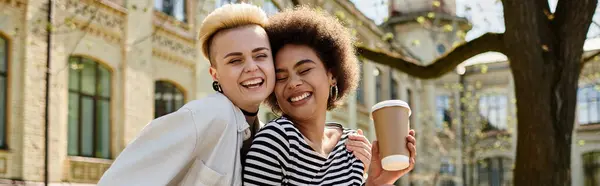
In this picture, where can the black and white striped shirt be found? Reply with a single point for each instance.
(279, 155)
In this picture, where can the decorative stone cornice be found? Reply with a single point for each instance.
(14, 3)
(167, 56)
(100, 18)
(177, 46)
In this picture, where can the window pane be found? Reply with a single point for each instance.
(583, 113)
(179, 10)
(73, 130)
(87, 126)
(74, 77)
(158, 4)
(104, 86)
(88, 77)
(3, 107)
(103, 129)
(593, 109)
(3, 54)
(178, 99)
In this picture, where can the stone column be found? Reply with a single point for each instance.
(138, 88)
(369, 85)
(31, 121)
(352, 111)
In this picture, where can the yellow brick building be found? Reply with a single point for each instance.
(116, 65)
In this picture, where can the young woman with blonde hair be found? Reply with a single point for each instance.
(200, 143)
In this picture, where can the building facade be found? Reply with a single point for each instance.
(116, 65)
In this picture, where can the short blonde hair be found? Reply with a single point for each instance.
(227, 17)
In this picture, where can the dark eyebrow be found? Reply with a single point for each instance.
(301, 62)
(233, 54)
(259, 49)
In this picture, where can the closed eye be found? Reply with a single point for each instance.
(261, 56)
(305, 71)
(234, 61)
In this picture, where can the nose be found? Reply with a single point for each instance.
(295, 81)
(251, 66)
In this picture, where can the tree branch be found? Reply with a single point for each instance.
(444, 64)
(590, 58)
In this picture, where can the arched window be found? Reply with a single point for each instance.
(591, 168)
(167, 98)
(89, 108)
(3, 90)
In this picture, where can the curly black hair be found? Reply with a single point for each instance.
(333, 43)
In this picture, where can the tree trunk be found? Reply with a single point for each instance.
(545, 59)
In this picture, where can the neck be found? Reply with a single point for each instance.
(313, 129)
(252, 120)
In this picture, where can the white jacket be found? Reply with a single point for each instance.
(197, 145)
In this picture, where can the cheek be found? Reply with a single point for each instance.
(229, 76)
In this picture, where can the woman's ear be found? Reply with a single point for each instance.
(332, 80)
(213, 73)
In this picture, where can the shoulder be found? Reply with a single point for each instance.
(278, 129)
(215, 103)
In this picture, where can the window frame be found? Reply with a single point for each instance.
(5, 107)
(96, 98)
(493, 103)
(588, 100)
(442, 108)
(172, 14)
(378, 85)
(173, 87)
(491, 173)
(394, 94)
(591, 167)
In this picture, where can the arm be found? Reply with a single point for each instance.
(162, 151)
(265, 160)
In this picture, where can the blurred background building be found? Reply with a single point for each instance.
(116, 65)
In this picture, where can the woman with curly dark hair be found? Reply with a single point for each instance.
(315, 68)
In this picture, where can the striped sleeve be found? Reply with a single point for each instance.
(267, 158)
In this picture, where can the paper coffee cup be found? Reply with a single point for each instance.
(391, 119)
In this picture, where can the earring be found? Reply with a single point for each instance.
(333, 92)
(217, 87)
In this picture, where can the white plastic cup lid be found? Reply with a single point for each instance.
(391, 103)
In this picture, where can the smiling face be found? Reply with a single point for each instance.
(242, 64)
(302, 82)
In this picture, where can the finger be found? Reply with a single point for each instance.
(365, 160)
(358, 145)
(360, 132)
(411, 139)
(411, 132)
(359, 138)
(361, 156)
(362, 151)
(413, 150)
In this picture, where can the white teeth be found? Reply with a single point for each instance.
(252, 82)
(301, 97)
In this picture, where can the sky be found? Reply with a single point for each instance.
(485, 15)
